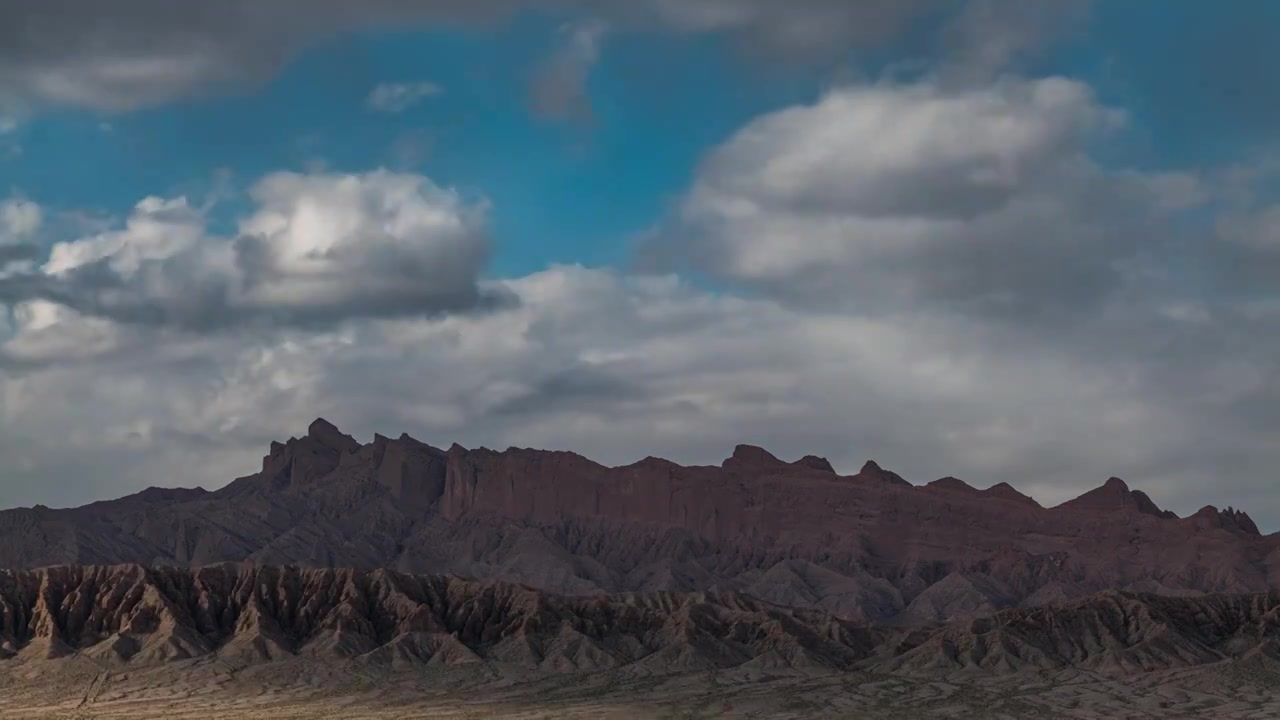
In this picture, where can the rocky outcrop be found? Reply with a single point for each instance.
(247, 615)
(869, 546)
(1112, 633)
(132, 616)
(1115, 494)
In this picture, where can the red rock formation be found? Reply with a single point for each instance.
(869, 546)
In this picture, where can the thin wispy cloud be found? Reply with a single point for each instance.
(398, 97)
(558, 90)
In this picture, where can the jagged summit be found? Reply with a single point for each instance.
(1115, 494)
(1115, 484)
(813, 462)
(749, 457)
(328, 434)
(1229, 519)
(871, 470)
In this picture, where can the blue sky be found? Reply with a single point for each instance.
(567, 191)
(576, 190)
(1021, 242)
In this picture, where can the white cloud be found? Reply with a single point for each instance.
(883, 194)
(901, 151)
(316, 249)
(398, 97)
(157, 229)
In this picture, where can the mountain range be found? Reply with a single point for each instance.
(865, 548)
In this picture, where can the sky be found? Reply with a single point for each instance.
(1034, 243)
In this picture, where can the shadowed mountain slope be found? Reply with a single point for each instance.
(248, 615)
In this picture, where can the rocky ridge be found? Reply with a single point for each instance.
(870, 547)
(246, 615)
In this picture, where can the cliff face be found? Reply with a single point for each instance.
(870, 546)
(247, 615)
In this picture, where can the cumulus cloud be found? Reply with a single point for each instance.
(317, 249)
(984, 198)
(398, 97)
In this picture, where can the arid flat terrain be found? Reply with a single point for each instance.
(308, 689)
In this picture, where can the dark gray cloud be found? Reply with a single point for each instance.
(127, 54)
(798, 29)
(123, 55)
(17, 253)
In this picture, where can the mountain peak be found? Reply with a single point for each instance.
(320, 426)
(751, 456)
(872, 471)
(1115, 494)
(1006, 491)
(328, 434)
(952, 484)
(1229, 519)
(814, 462)
(1116, 484)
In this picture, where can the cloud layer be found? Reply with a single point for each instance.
(131, 54)
(621, 367)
